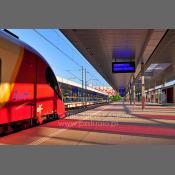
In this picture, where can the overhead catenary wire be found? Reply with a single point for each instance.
(65, 54)
(70, 46)
(75, 52)
(55, 46)
(58, 48)
(66, 42)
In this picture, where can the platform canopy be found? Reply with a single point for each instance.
(154, 47)
(160, 68)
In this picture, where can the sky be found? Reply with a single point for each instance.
(63, 57)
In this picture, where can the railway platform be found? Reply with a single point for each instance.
(115, 123)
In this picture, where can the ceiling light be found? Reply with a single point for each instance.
(157, 66)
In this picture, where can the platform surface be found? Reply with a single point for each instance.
(116, 123)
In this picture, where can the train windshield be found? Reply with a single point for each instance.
(52, 81)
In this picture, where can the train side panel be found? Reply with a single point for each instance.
(48, 93)
(22, 97)
(19, 104)
(15, 93)
(46, 101)
(28, 87)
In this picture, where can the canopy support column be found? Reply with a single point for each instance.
(143, 85)
(134, 89)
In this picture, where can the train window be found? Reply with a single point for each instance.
(52, 81)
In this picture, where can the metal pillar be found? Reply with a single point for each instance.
(174, 94)
(134, 89)
(85, 82)
(165, 92)
(143, 86)
(130, 93)
(154, 91)
(82, 80)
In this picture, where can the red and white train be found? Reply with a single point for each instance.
(29, 89)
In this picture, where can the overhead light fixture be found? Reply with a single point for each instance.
(157, 66)
(170, 83)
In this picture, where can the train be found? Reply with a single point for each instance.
(74, 96)
(29, 90)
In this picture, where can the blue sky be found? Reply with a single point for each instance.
(59, 58)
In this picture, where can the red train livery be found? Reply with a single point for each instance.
(28, 87)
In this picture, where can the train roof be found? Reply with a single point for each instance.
(13, 38)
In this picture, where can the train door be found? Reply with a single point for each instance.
(45, 99)
(170, 95)
(21, 105)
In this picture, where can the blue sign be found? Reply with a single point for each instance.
(123, 67)
(122, 91)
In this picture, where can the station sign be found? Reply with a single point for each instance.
(123, 67)
(122, 91)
